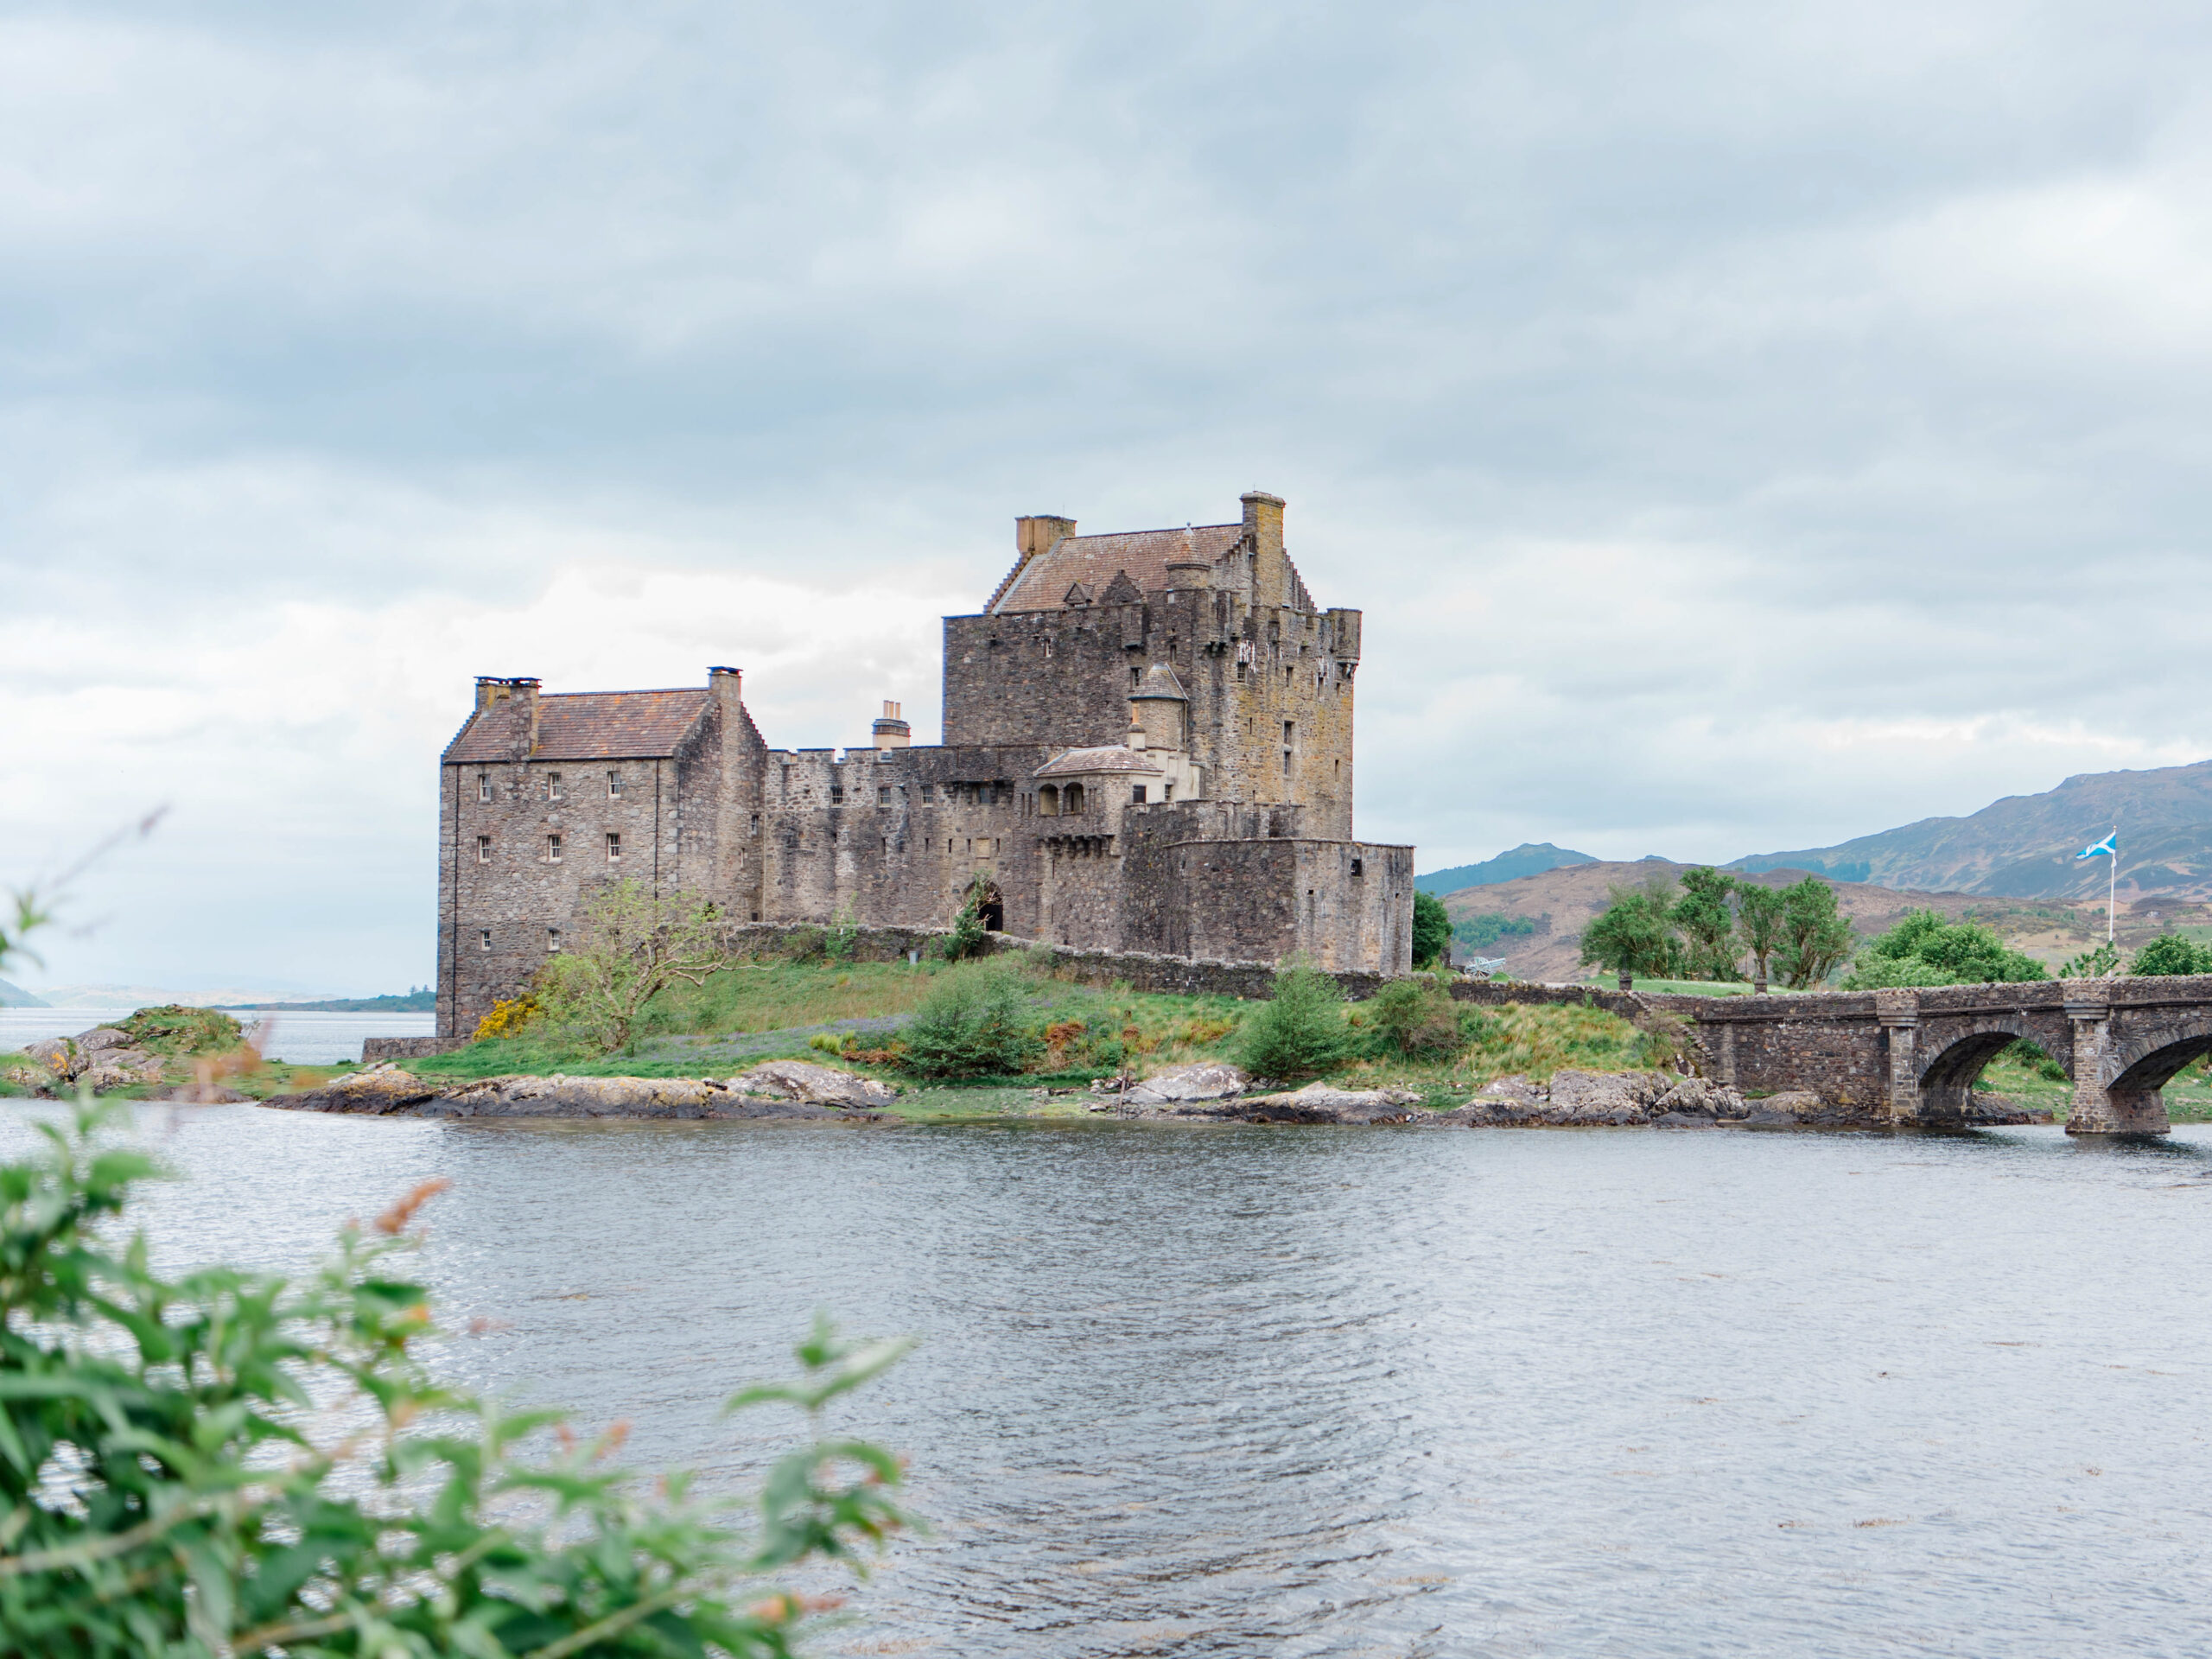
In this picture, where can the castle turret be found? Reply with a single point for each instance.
(1158, 709)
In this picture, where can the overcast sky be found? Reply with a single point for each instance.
(1743, 426)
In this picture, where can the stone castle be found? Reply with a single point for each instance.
(1148, 748)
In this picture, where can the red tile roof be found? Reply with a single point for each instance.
(1083, 762)
(1095, 561)
(584, 725)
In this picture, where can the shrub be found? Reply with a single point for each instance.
(508, 1018)
(844, 934)
(1432, 929)
(974, 1023)
(168, 1490)
(1415, 1018)
(1923, 949)
(805, 945)
(969, 937)
(1300, 1033)
(2171, 954)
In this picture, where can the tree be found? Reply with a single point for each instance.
(974, 1023)
(634, 944)
(1299, 1032)
(1415, 1017)
(1759, 912)
(969, 937)
(1923, 948)
(168, 1489)
(1708, 926)
(1432, 929)
(2092, 964)
(1814, 937)
(1634, 936)
(2171, 954)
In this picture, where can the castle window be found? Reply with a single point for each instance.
(1288, 727)
(613, 846)
(1136, 678)
(483, 786)
(883, 794)
(552, 786)
(1358, 867)
(925, 793)
(483, 849)
(552, 849)
(1167, 791)
(1048, 801)
(1137, 795)
(836, 794)
(756, 831)
(1072, 801)
(483, 939)
(902, 844)
(553, 940)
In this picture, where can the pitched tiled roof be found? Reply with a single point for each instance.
(584, 725)
(1111, 758)
(1095, 561)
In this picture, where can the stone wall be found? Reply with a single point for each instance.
(376, 1050)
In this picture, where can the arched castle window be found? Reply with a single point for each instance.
(1048, 801)
(1073, 800)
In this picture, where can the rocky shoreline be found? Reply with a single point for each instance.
(1209, 1091)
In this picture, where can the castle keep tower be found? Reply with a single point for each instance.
(1148, 746)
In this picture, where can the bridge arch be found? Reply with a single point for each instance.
(1947, 1078)
(2142, 1062)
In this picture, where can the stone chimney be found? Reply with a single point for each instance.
(491, 692)
(891, 732)
(1270, 570)
(726, 687)
(1036, 534)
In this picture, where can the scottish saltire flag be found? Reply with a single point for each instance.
(2109, 847)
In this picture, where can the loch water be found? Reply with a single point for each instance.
(1292, 1391)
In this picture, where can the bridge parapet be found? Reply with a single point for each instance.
(1910, 1056)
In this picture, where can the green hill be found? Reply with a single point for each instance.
(2022, 846)
(1530, 858)
(14, 996)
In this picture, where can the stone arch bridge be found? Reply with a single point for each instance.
(1909, 1056)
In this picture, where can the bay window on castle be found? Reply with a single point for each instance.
(483, 849)
(552, 849)
(613, 847)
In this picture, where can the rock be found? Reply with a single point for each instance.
(206, 1093)
(1984, 1111)
(377, 1089)
(36, 1078)
(1201, 1080)
(384, 1090)
(1321, 1103)
(1799, 1105)
(816, 1085)
(100, 1036)
(1762, 1119)
(1682, 1121)
(1597, 1098)
(1703, 1097)
(57, 1054)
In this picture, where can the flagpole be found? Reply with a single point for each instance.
(2112, 883)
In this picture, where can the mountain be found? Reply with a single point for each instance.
(1530, 858)
(1560, 902)
(2022, 846)
(419, 999)
(14, 996)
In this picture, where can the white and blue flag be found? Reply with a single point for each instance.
(2109, 847)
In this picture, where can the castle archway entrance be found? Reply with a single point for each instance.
(990, 908)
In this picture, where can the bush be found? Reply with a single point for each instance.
(1300, 1032)
(2171, 954)
(509, 1017)
(1923, 949)
(1415, 1018)
(975, 1023)
(1432, 929)
(2092, 963)
(969, 937)
(169, 1491)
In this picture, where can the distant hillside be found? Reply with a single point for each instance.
(1530, 858)
(2022, 846)
(421, 1001)
(14, 996)
(1560, 902)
